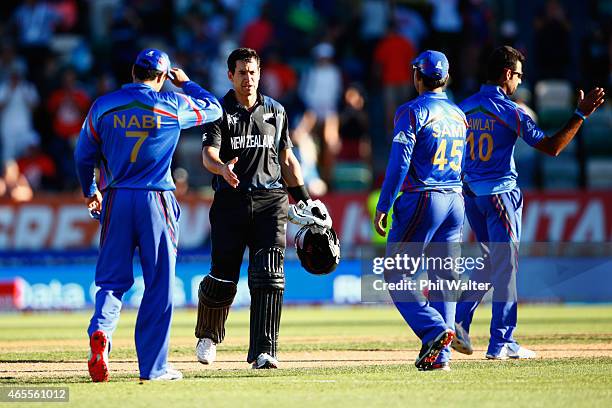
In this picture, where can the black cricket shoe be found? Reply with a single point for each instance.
(429, 352)
(445, 366)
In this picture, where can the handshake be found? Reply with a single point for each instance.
(311, 212)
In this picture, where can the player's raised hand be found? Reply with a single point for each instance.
(380, 223)
(589, 103)
(180, 77)
(228, 173)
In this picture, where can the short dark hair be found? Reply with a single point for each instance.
(501, 58)
(432, 83)
(143, 74)
(241, 54)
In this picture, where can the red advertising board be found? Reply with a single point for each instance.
(62, 222)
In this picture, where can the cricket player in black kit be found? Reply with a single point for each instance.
(249, 151)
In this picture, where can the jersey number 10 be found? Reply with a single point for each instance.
(483, 155)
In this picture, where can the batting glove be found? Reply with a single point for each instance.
(309, 213)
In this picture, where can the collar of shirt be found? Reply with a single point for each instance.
(136, 85)
(230, 97)
(493, 90)
(437, 95)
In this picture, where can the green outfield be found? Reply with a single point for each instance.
(360, 356)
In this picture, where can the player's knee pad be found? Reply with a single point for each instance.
(266, 269)
(215, 292)
(215, 298)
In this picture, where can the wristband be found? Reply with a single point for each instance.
(580, 114)
(299, 193)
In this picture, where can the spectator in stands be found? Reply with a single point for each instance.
(372, 18)
(217, 69)
(68, 11)
(35, 22)
(105, 83)
(321, 88)
(307, 153)
(595, 58)
(18, 98)
(38, 168)
(13, 184)
(393, 64)
(552, 42)
(354, 126)
(126, 29)
(67, 106)
(258, 33)
(447, 26)
(410, 25)
(10, 61)
(302, 23)
(478, 24)
(111, 32)
(278, 79)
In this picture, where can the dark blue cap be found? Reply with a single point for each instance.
(154, 59)
(432, 64)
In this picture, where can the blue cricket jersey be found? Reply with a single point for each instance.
(131, 135)
(495, 123)
(427, 149)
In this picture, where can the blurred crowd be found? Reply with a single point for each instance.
(340, 68)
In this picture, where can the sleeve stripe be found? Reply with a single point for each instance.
(93, 131)
(518, 123)
(162, 112)
(197, 111)
(413, 123)
(399, 115)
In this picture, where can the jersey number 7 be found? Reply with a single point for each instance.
(141, 138)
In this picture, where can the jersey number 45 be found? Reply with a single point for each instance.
(456, 153)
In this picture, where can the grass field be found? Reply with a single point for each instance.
(330, 357)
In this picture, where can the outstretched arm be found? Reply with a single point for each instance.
(212, 162)
(555, 144)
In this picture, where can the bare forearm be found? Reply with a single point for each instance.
(555, 144)
(211, 160)
(292, 172)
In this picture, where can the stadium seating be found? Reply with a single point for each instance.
(597, 134)
(599, 173)
(554, 102)
(560, 173)
(352, 176)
